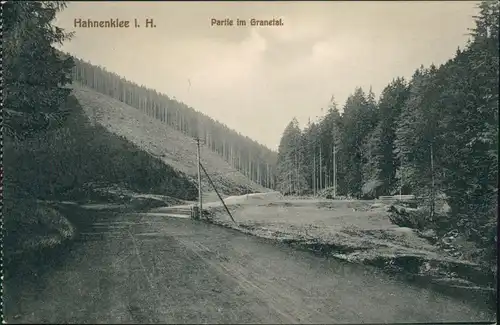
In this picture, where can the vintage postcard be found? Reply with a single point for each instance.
(331, 162)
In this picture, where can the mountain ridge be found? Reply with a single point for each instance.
(162, 141)
(252, 159)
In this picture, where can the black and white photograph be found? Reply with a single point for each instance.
(249, 162)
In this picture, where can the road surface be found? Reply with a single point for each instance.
(133, 268)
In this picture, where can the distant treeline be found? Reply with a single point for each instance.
(434, 136)
(254, 160)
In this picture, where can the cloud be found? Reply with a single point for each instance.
(256, 80)
(225, 65)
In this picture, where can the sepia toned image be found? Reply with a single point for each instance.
(329, 162)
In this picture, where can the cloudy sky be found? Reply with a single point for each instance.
(256, 79)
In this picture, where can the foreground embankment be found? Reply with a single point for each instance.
(359, 232)
(45, 229)
(135, 268)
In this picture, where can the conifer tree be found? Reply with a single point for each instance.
(35, 73)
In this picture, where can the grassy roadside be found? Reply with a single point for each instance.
(25, 275)
(349, 232)
(30, 261)
(44, 232)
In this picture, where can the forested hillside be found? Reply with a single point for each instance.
(254, 160)
(434, 136)
(174, 148)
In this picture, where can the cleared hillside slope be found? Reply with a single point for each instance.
(160, 140)
(49, 174)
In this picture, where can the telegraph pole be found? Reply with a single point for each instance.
(200, 201)
(199, 176)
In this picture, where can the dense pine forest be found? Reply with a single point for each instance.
(251, 158)
(433, 136)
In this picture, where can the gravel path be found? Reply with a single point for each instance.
(133, 268)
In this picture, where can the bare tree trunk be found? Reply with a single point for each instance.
(433, 189)
(249, 168)
(333, 166)
(320, 169)
(314, 173)
(267, 175)
(334, 171)
(258, 174)
(296, 172)
(299, 188)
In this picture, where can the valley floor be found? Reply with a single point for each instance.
(136, 268)
(358, 231)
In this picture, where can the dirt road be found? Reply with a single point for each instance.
(137, 269)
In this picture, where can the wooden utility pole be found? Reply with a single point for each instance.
(199, 176)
